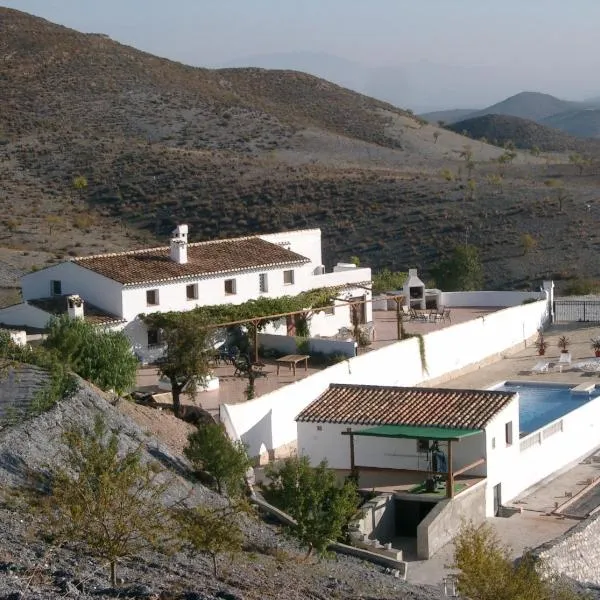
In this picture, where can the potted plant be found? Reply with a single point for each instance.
(563, 343)
(596, 345)
(541, 344)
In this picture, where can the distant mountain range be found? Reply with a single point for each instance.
(580, 119)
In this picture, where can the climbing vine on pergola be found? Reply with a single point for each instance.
(256, 313)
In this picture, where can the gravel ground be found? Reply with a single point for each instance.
(271, 565)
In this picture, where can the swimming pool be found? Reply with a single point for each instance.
(542, 404)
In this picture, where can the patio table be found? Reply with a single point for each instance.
(292, 360)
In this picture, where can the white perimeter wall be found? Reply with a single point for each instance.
(489, 299)
(270, 419)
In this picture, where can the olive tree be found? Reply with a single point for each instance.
(321, 507)
(109, 502)
(212, 450)
(102, 357)
(185, 362)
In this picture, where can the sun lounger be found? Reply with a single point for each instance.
(563, 361)
(540, 367)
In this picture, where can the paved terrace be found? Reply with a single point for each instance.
(231, 388)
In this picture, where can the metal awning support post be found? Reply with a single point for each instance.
(450, 481)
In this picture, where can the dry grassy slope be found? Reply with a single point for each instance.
(247, 150)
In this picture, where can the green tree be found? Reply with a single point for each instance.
(214, 532)
(447, 174)
(387, 281)
(185, 361)
(101, 357)
(579, 161)
(110, 503)
(486, 571)
(528, 242)
(210, 449)
(535, 151)
(321, 508)
(80, 183)
(436, 135)
(463, 271)
(355, 260)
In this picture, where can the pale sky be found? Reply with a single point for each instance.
(540, 45)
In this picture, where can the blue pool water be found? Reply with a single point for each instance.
(540, 405)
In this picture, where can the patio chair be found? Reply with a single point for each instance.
(446, 315)
(540, 367)
(563, 361)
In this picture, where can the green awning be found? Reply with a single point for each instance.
(417, 433)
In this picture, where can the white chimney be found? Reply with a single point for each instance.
(179, 243)
(75, 307)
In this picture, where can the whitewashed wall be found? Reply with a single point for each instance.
(287, 344)
(18, 337)
(211, 290)
(502, 460)
(306, 242)
(487, 299)
(446, 350)
(388, 453)
(92, 287)
(579, 436)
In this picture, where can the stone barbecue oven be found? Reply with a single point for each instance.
(414, 291)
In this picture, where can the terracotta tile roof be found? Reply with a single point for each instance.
(382, 405)
(57, 305)
(204, 258)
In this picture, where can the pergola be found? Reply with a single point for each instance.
(259, 319)
(445, 434)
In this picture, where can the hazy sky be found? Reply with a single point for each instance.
(542, 45)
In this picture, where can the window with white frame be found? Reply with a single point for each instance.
(230, 287)
(152, 297)
(191, 291)
(56, 287)
(288, 277)
(263, 283)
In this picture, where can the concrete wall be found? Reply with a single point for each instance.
(18, 337)
(306, 242)
(378, 521)
(443, 523)
(288, 344)
(576, 553)
(92, 287)
(490, 299)
(447, 350)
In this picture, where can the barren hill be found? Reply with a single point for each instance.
(525, 134)
(238, 151)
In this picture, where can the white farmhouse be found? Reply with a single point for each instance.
(114, 289)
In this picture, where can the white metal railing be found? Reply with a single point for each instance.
(537, 437)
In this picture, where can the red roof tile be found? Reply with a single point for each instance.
(204, 258)
(383, 405)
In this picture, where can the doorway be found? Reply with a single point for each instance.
(409, 514)
(497, 498)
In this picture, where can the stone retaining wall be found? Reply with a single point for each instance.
(576, 553)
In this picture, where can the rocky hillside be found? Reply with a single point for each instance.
(31, 568)
(240, 151)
